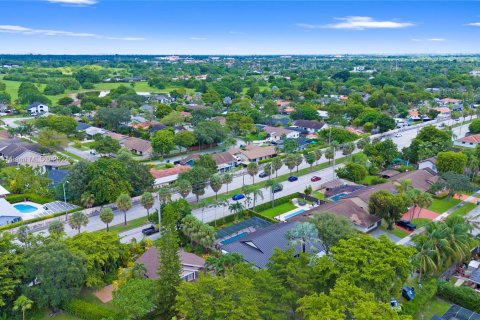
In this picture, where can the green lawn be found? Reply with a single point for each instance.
(436, 306)
(463, 210)
(132, 224)
(396, 231)
(88, 144)
(319, 195)
(71, 155)
(420, 222)
(278, 210)
(442, 205)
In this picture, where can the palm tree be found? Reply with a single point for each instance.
(204, 203)
(277, 164)
(267, 169)
(87, 199)
(147, 202)
(252, 169)
(329, 154)
(247, 191)
(184, 187)
(106, 215)
(165, 194)
(216, 183)
(298, 160)
(256, 193)
(424, 200)
(236, 207)
(303, 233)
(124, 203)
(424, 258)
(273, 185)
(227, 179)
(318, 155)
(290, 162)
(310, 159)
(24, 304)
(78, 220)
(404, 186)
(56, 228)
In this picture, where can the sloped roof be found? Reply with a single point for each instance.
(133, 143)
(311, 124)
(475, 138)
(157, 174)
(277, 130)
(421, 179)
(258, 247)
(254, 152)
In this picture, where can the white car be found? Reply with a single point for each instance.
(398, 135)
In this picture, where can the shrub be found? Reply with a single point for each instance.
(265, 161)
(15, 198)
(88, 311)
(423, 295)
(463, 296)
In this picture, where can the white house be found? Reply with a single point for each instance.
(37, 108)
(469, 141)
(276, 133)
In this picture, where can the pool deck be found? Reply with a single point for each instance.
(30, 215)
(284, 216)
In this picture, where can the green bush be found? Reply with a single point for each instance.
(463, 296)
(88, 311)
(229, 218)
(15, 198)
(279, 201)
(423, 295)
(265, 161)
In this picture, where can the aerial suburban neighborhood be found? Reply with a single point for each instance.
(237, 174)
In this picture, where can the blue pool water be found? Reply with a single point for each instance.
(293, 214)
(338, 196)
(235, 238)
(25, 208)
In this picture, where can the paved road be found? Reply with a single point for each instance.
(81, 153)
(10, 122)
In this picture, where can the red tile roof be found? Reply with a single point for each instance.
(168, 172)
(472, 139)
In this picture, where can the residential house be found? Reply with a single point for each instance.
(278, 133)
(310, 126)
(37, 108)
(225, 161)
(116, 136)
(253, 153)
(92, 131)
(138, 146)
(469, 141)
(82, 126)
(8, 214)
(146, 108)
(443, 112)
(163, 98)
(258, 247)
(354, 205)
(448, 101)
(192, 265)
(57, 176)
(428, 164)
(167, 176)
(3, 192)
(17, 152)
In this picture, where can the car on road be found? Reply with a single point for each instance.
(263, 174)
(398, 135)
(238, 196)
(315, 179)
(406, 225)
(150, 230)
(278, 188)
(292, 178)
(408, 293)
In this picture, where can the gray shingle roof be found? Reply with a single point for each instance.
(258, 247)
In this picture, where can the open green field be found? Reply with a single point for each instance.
(436, 306)
(442, 205)
(278, 210)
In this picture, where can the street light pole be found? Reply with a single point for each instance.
(65, 198)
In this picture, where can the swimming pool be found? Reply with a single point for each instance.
(235, 238)
(293, 214)
(25, 208)
(338, 196)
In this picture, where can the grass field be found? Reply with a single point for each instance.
(396, 231)
(442, 205)
(436, 306)
(463, 210)
(132, 224)
(319, 195)
(420, 222)
(278, 210)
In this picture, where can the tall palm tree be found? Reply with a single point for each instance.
(277, 164)
(106, 215)
(272, 184)
(184, 187)
(147, 202)
(318, 155)
(124, 203)
(303, 233)
(227, 179)
(236, 207)
(404, 186)
(87, 199)
(256, 193)
(216, 183)
(247, 191)
(204, 203)
(290, 162)
(252, 169)
(425, 256)
(165, 194)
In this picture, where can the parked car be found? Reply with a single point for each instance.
(315, 179)
(277, 189)
(393, 302)
(408, 293)
(292, 178)
(263, 174)
(238, 196)
(150, 230)
(406, 225)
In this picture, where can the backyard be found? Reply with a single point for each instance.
(278, 210)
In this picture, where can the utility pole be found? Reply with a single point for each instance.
(334, 175)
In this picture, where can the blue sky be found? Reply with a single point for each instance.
(239, 27)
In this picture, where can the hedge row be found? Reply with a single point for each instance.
(37, 219)
(425, 294)
(463, 296)
(282, 200)
(229, 218)
(88, 311)
(15, 198)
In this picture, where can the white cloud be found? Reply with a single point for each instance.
(436, 39)
(74, 2)
(198, 38)
(47, 32)
(358, 23)
(474, 24)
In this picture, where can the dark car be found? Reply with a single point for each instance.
(406, 225)
(408, 293)
(238, 196)
(292, 178)
(263, 174)
(150, 230)
(277, 189)
(315, 179)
